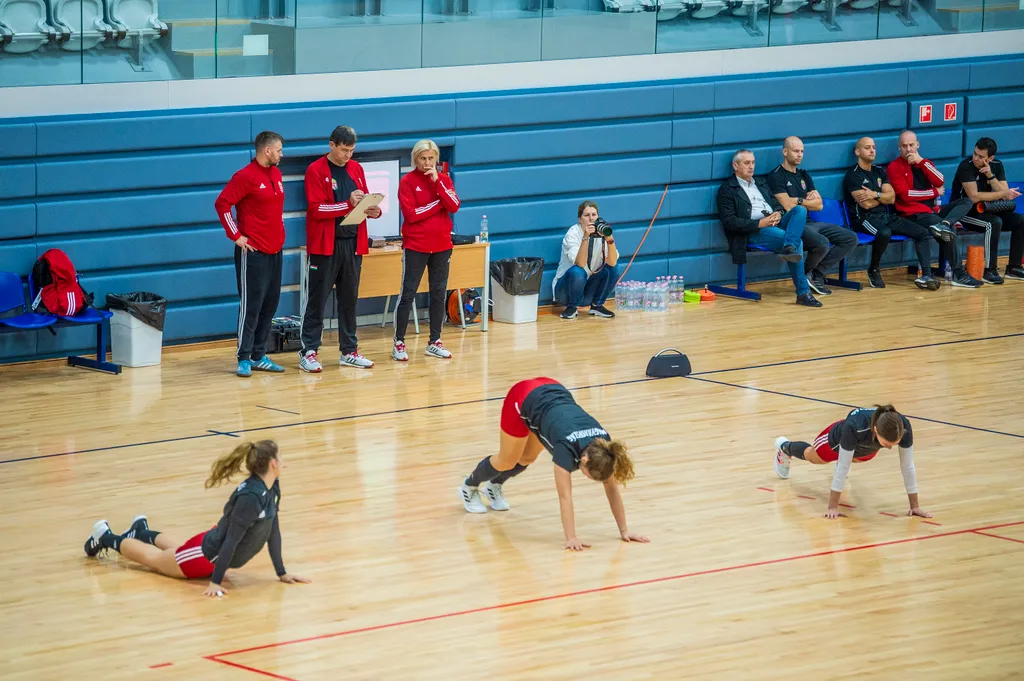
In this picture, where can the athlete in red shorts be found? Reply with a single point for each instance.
(858, 437)
(541, 414)
(249, 523)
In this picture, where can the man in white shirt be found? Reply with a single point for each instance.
(588, 269)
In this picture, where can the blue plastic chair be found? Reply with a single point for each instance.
(833, 212)
(12, 297)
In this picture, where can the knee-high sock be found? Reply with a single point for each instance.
(511, 473)
(796, 449)
(147, 536)
(483, 471)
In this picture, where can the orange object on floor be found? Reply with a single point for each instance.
(976, 261)
(706, 295)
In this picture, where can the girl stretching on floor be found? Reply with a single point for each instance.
(858, 437)
(249, 523)
(537, 414)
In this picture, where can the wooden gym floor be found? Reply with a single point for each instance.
(743, 579)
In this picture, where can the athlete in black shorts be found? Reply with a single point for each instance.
(858, 437)
(249, 523)
(541, 414)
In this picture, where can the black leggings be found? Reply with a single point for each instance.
(413, 264)
(883, 226)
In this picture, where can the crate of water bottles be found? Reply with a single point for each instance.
(649, 296)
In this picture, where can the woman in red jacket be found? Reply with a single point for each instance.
(427, 198)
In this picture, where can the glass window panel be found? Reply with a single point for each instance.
(35, 48)
(907, 18)
(1000, 15)
(691, 25)
(130, 40)
(798, 22)
(576, 29)
(457, 32)
(357, 35)
(254, 38)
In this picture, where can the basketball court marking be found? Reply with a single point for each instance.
(694, 376)
(853, 406)
(219, 657)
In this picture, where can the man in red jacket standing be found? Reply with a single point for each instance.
(257, 194)
(918, 183)
(335, 184)
(428, 199)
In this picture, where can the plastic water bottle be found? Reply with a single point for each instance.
(483, 228)
(665, 296)
(948, 273)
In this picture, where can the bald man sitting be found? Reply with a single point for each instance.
(868, 195)
(793, 187)
(917, 183)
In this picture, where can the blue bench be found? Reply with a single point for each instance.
(831, 211)
(12, 299)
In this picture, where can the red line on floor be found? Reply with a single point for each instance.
(847, 505)
(998, 536)
(614, 587)
(765, 489)
(216, 658)
(162, 664)
(804, 496)
(891, 515)
(931, 522)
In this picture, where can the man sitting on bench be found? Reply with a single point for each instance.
(751, 215)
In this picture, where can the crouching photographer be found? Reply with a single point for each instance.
(588, 268)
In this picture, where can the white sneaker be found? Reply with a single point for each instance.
(437, 349)
(354, 359)
(471, 499)
(398, 352)
(781, 458)
(310, 363)
(492, 490)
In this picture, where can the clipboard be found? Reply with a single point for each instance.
(358, 213)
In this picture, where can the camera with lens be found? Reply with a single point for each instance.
(602, 230)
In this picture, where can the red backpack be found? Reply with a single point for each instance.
(59, 292)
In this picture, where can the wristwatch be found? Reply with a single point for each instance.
(878, 195)
(799, 202)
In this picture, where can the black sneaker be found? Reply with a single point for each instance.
(601, 311)
(92, 544)
(942, 231)
(1014, 273)
(808, 300)
(927, 282)
(964, 280)
(875, 279)
(992, 277)
(139, 524)
(817, 283)
(790, 254)
(569, 313)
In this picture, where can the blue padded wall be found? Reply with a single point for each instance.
(133, 206)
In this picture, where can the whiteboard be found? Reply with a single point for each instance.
(382, 177)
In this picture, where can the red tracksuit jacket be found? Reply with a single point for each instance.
(322, 211)
(257, 193)
(427, 207)
(910, 201)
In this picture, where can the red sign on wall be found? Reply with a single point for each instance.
(925, 115)
(950, 113)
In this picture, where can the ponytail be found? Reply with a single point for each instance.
(609, 459)
(255, 455)
(888, 422)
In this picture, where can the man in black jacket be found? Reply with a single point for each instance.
(751, 215)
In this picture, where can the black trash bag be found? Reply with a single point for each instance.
(519, 276)
(148, 308)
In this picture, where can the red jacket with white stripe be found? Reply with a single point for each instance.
(257, 193)
(911, 201)
(427, 207)
(322, 211)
